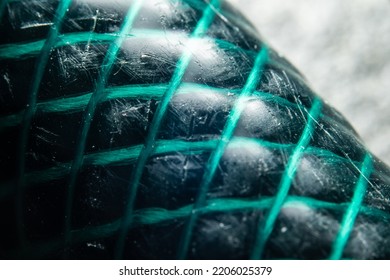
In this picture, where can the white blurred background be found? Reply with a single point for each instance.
(343, 48)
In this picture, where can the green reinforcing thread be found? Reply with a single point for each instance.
(39, 70)
(78, 103)
(118, 157)
(351, 213)
(265, 228)
(199, 31)
(96, 97)
(152, 216)
(126, 156)
(24, 50)
(213, 162)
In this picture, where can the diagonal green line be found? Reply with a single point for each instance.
(118, 157)
(213, 162)
(353, 209)
(152, 216)
(199, 31)
(265, 229)
(31, 49)
(78, 103)
(23, 50)
(39, 71)
(147, 216)
(96, 97)
(125, 156)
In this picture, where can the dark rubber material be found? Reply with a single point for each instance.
(163, 129)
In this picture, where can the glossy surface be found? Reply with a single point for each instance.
(168, 129)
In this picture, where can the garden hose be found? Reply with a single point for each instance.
(168, 129)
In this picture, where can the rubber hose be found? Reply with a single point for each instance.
(168, 129)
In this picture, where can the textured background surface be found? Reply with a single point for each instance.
(343, 48)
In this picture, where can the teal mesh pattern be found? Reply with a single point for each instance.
(31, 108)
(178, 74)
(216, 155)
(284, 186)
(96, 97)
(138, 155)
(353, 209)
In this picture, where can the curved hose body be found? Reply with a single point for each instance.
(169, 129)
